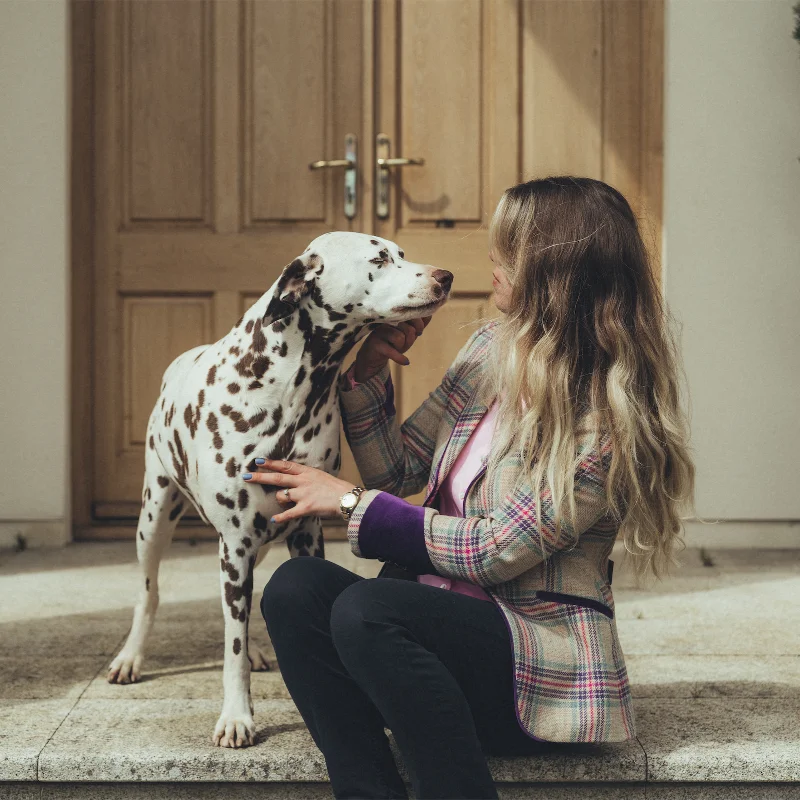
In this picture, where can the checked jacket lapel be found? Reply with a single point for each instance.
(468, 419)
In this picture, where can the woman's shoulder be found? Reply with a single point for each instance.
(480, 338)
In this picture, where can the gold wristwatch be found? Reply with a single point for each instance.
(349, 500)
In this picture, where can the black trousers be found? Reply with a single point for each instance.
(433, 666)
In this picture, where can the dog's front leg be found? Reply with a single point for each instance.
(235, 726)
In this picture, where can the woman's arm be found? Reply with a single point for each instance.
(390, 456)
(485, 550)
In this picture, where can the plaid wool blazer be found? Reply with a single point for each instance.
(570, 681)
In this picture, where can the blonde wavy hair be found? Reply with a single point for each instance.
(587, 339)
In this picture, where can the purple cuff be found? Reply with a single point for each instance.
(394, 530)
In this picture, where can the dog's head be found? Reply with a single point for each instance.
(358, 278)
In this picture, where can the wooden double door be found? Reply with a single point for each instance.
(195, 122)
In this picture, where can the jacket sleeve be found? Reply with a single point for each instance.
(393, 457)
(485, 550)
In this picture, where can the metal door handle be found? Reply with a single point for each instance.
(340, 162)
(401, 162)
(350, 164)
(382, 164)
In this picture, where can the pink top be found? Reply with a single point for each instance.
(453, 490)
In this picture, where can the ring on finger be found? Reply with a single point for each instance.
(286, 494)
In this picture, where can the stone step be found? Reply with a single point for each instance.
(713, 655)
(321, 791)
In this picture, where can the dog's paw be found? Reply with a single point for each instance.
(258, 658)
(234, 730)
(125, 668)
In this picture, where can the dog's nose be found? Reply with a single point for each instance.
(444, 278)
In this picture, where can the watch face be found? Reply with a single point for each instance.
(349, 500)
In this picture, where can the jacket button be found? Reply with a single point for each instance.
(442, 585)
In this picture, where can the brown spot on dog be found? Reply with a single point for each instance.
(247, 542)
(259, 342)
(239, 422)
(249, 449)
(192, 419)
(162, 481)
(260, 522)
(237, 646)
(244, 497)
(141, 535)
(152, 443)
(260, 366)
(374, 241)
(180, 462)
(213, 425)
(235, 521)
(225, 501)
(212, 376)
(234, 388)
(234, 351)
(249, 327)
(225, 410)
(277, 414)
(233, 573)
(176, 511)
(201, 398)
(243, 365)
(219, 458)
(257, 419)
(240, 552)
(149, 517)
(147, 584)
(232, 468)
(174, 496)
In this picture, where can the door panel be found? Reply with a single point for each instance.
(440, 60)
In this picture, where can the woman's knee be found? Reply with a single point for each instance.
(290, 584)
(354, 614)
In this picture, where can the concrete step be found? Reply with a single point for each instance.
(713, 656)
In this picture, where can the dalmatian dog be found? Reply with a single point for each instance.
(266, 389)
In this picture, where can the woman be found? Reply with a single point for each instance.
(557, 427)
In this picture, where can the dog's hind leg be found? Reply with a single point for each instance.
(162, 507)
(307, 540)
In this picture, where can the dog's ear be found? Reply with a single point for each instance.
(296, 281)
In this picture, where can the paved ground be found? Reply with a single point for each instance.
(713, 654)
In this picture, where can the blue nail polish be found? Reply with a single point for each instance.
(272, 519)
(247, 476)
(261, 461)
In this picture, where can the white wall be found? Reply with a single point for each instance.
(732, 261)
(34, 345)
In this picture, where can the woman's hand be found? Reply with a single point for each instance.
(387, 342)
(312, 492)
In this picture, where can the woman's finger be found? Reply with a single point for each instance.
(295, 495)
(288, 467)
(291, 513)
(271, 478)
(394, 336)
(385, 349)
